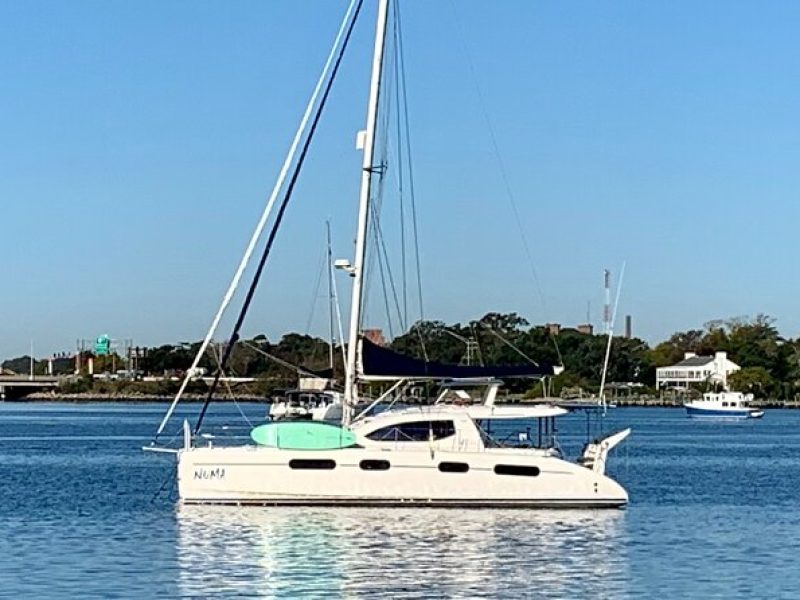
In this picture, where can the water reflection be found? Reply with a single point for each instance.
(408, 553)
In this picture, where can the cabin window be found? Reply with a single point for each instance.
(724, 404)
(415, 431)
(312, 463)
(453, 467)
(374, 465)
(522, 470)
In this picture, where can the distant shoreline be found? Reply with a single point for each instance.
(84, 397)
(125, 398)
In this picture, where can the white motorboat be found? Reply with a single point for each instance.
(437, 455)
(316, 403)
(729, 405)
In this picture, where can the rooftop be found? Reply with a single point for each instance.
(694, 361)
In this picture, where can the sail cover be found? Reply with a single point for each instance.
(381, 363)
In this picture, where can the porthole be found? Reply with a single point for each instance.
(453, 467)
(374, 465)
(312, 463)
(521, 470)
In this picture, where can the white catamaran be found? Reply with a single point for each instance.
(431, 455)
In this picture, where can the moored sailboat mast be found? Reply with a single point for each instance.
(368, 138)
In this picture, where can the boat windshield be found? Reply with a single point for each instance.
(307, 399)
(503, 434)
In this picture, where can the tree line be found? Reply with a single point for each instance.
(770, 363)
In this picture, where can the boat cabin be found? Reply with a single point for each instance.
(462, 420)
(725, 399)
(313, 400)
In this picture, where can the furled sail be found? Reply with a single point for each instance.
(381, 363)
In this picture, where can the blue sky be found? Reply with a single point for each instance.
(140, 141)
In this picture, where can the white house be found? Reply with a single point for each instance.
(697, 369)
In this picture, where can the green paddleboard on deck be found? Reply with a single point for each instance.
(302, 435)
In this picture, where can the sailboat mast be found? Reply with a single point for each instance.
(331, 305)
(351, 384)
(611, 320)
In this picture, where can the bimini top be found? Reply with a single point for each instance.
(381, 363)
(478, 412)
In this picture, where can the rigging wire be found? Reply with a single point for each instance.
(502, 168)
(168, 480)
(376, 207)
(279, 217)
(411, 188)
(315, 294)
(314, 299)
(382, 252)
(400, 170)
(377, 199)
(510, 344)
(382, 276)
(263, 220)
(264, 216)
(216, 358)
(281, 362)
(331, 297)
(477, 343)
(399, 300)
(402, 110)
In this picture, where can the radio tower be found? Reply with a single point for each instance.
(607, 306)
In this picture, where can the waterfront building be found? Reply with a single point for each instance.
(697, 369)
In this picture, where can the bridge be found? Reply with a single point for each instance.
(16, 386)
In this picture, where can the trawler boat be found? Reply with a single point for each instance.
(729, 405)
(436, 455)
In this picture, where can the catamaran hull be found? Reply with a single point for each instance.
(263, 476)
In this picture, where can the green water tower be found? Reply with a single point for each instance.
(102, 345)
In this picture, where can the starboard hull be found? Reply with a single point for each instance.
(273, 477)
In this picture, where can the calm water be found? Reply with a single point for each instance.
(713, 514)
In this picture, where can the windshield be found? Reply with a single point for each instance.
(504, 433)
